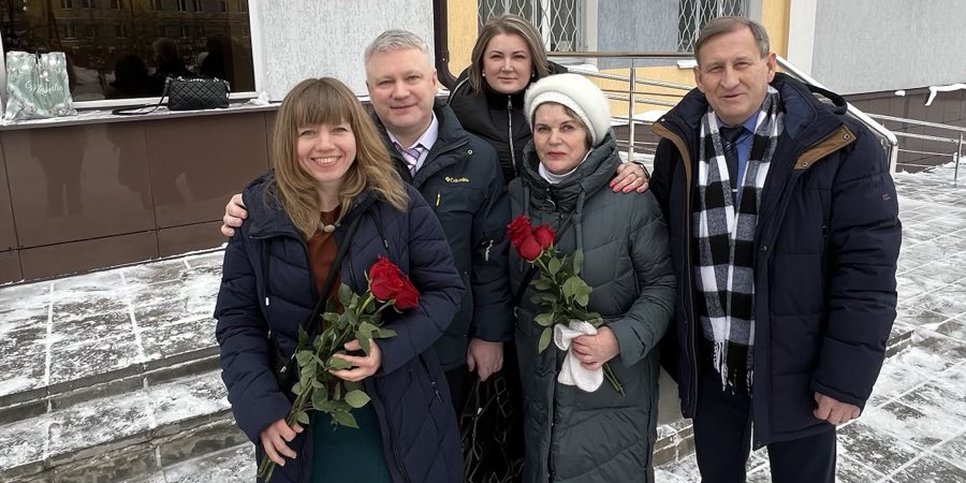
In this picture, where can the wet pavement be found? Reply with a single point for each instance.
(100, 363)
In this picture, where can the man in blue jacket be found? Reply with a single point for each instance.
(459, 176)
(784, 238)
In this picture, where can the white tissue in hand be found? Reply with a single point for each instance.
(572, 373)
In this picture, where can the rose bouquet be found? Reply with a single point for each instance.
(361, 319)
(559, 288)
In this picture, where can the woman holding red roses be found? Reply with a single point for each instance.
(333, 187)
(571, 434)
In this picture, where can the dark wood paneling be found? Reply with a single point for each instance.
(198, 163)
(172, 241)
(79, 182)
(8, 232)
(10, 266)
(85, 255)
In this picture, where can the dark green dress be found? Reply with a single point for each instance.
(348, 454)
(341, 453)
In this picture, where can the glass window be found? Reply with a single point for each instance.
(561, 22)
(182, 5)
(693, 14)
(126, 49)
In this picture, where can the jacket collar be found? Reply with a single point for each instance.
(590, 176)
(807, 119)
(451, 135)
(267, 218)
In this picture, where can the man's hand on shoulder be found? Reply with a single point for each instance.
(235, 214)
(834, 411)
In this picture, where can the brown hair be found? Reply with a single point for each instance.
(508, 24)
(328, 101)
(725, 25)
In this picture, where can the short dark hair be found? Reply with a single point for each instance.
(725, 25)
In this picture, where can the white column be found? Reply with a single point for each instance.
(801, 33)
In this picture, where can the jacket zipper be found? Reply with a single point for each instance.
(509, 134)
(381, 410)
(688, 283)
(305, 252)
(432, 380)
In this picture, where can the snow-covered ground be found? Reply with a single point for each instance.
(58, 335)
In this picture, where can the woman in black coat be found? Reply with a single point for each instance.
(488, 98)
(332, 171)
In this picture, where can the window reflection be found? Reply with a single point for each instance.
(125, 48)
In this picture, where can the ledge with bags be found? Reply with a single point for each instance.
(37, 94)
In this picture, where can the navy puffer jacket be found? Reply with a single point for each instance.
(460, 179)
(826, 248)
(267, 286)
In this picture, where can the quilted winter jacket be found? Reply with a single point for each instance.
(827, 242)
(574, 436)
(496, 118)
(267, 285)
(461, 181)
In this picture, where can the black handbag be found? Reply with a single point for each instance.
(186, 94)
(196, 93)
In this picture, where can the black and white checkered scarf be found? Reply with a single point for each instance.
(725, 241)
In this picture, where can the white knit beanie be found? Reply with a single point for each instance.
(577, 93)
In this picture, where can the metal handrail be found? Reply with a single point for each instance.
(887, 135)
(957, 156)
(891, 142)
(917, 122)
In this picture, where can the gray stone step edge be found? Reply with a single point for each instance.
(33, 402)
(137, 455)
(154, 449)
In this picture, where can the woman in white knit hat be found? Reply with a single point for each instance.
(588, 432)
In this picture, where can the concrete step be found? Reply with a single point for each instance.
(28, 403)
(121, 436)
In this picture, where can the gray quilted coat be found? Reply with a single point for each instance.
(574, 436)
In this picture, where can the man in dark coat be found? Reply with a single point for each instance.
(459, 176)
(787, 274)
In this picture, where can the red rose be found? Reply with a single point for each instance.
(407, 298)
(545, 236)
(529, 250)
(519, 230)
(387, 282)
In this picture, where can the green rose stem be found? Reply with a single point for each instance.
(608, 371)
(267, 466)
(612, 378)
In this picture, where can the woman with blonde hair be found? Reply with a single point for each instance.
(331, 206)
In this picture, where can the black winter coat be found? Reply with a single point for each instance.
(461, 181)
(496, 118)
(827, 242)
(267, 285)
